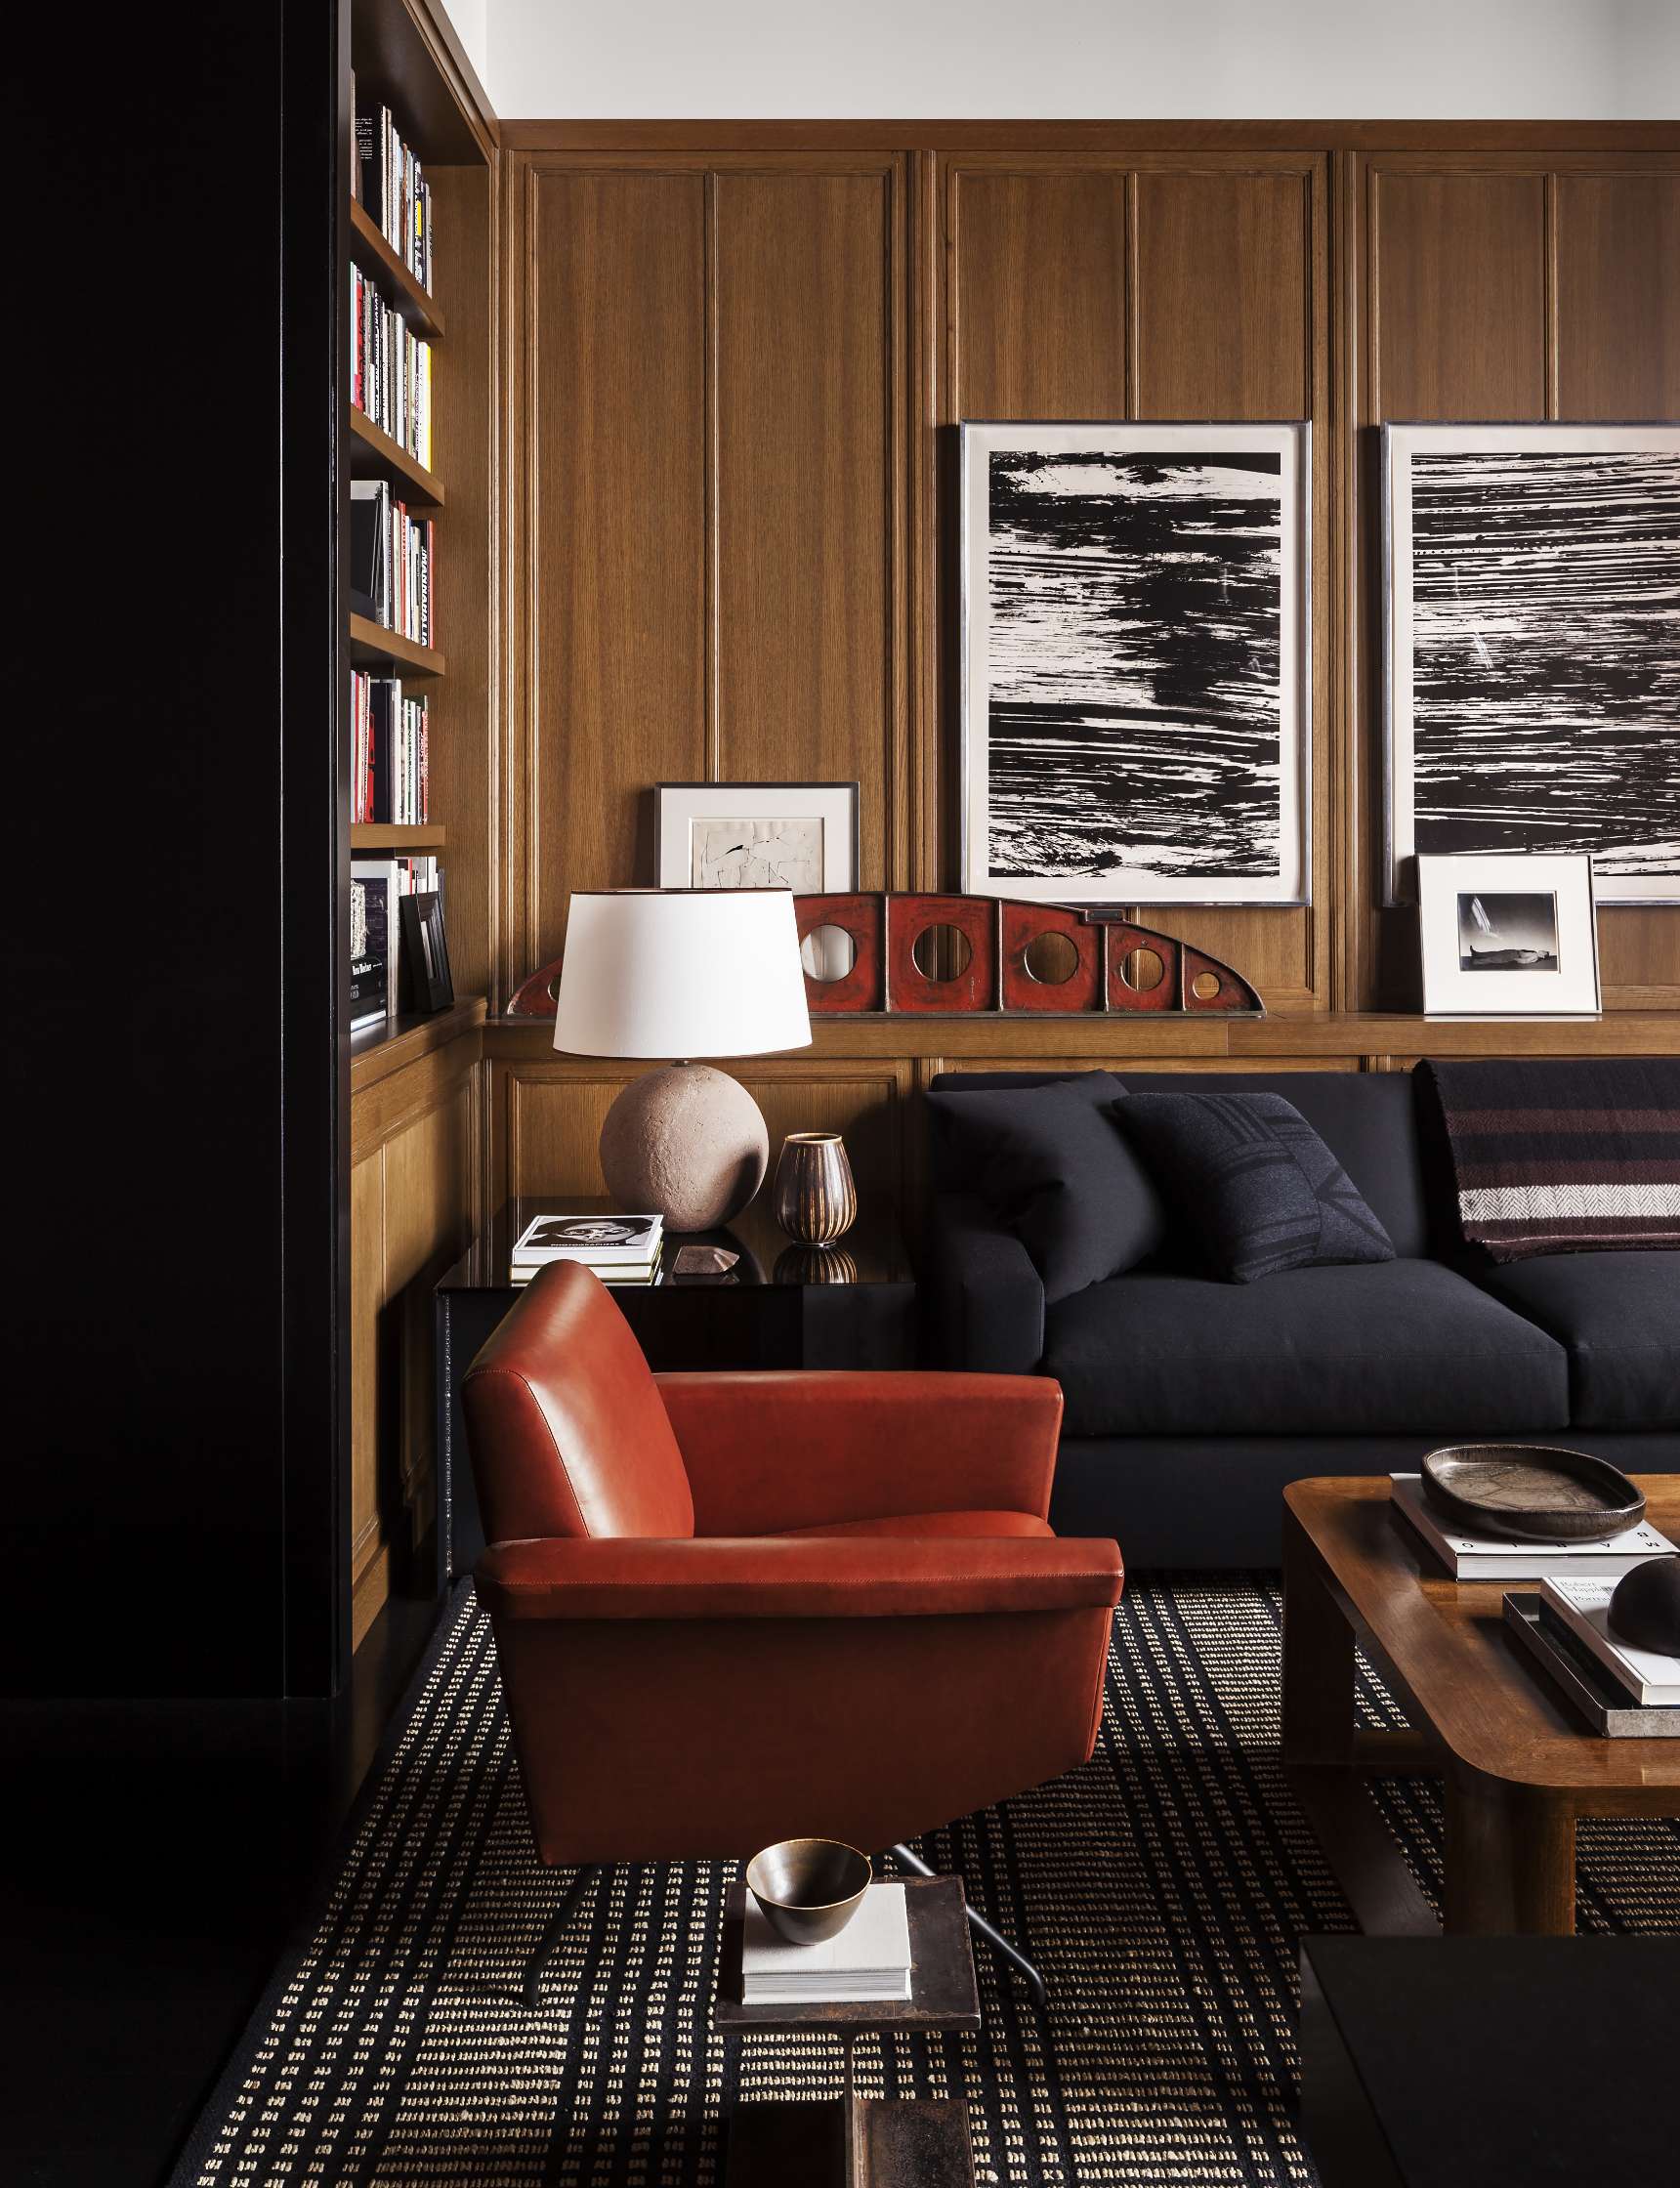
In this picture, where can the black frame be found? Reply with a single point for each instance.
(426, 980)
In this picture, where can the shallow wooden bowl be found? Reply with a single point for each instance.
(1531, 1492)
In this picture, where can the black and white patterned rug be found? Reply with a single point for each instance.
(1161, 1889)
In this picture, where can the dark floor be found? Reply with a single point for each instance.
(162, 1853)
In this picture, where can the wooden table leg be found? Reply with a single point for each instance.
(1510, 1860)
(1317, 1659)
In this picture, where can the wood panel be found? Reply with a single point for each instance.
(1031, 252)
(1506, 286)
(1617, 254)
(616, 487)
(550, 1117)
(804, 387)
(414, 1202)
(1458, 297)
(1224, 282)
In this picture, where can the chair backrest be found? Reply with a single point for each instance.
(568, 1431)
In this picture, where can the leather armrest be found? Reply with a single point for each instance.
(988, 1299)
(812, 1447)
(748, 1577)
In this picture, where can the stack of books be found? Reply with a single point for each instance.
(1578, 1609)
(870, 1960)
(389, 370)
(391, 751)
(1470, 1557)
(619, 1248)
(388, 179)
(391, 563)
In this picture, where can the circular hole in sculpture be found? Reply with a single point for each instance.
(1051, 960)
(941, 952)
(1143, 969)
(828, 952)
(1204, 987)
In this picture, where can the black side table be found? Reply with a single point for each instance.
(858, 2142)
(780, 1306)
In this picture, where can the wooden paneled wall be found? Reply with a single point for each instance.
(731, 367)
(415, 1199)
(1505, 285)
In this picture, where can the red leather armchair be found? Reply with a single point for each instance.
(735, 1607)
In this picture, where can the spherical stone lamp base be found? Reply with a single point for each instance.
(687, 1143)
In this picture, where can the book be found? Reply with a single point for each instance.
(373, 941)
(600, 1242)
(1469, 1557)
(870, 1958)
(615, 1273)
(1581, 1607)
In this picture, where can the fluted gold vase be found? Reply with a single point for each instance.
(816, 1197)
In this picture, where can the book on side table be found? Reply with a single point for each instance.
(870, 1960)
(619, 1248)
(1470, 1557)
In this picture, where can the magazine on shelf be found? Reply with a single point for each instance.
(1581, 1607)
(1471, 1557)
(600, 1240)
(870, 1958)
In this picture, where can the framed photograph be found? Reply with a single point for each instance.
(1508, 936)
(1532, 648)
(801, 837)
(1137, 663)
(427, 981)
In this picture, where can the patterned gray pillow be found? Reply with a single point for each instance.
(1253, 1180)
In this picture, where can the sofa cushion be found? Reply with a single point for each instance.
(1051, 1161)
(1393, 1347)
(1372, 1121)
(1253, 1181)
(1618, 1316)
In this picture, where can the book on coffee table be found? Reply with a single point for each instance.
(1581, 1607)
(1472, 1557)
(870, 1958)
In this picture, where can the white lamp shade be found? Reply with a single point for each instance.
(680, 973)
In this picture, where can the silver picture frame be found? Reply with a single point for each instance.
(1293, 438)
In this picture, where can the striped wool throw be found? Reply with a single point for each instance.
(1564, 1156)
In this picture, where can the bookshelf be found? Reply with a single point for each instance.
(408, 1190)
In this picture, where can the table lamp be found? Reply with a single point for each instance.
(682, 972)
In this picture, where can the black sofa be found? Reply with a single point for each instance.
(1190, 1402)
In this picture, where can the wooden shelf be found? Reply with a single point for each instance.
(380, 1050)
(403, 290)
(375, 452)
(393, 835)
(372, 646)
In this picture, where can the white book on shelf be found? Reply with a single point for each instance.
(870, 1960)
(1472, 1557)
(1582, 1606)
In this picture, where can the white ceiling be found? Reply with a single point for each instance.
(1593, 59)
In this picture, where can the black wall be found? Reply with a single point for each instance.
(173, 825)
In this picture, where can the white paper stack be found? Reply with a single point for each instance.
(870, 1960)
(1582, 1608)
(1475, 1557)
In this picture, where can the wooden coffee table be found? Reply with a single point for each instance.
(1517, 1766)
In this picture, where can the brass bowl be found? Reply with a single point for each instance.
(810, 1888)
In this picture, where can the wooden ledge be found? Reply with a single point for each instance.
(382, 1050)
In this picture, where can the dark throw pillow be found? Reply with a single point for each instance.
(1254, 1182)
(1053, 1166)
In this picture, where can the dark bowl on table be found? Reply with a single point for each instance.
(810, 1888)
(1531, 1492)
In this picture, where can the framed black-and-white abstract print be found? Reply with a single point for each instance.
(1532, 638)
(1137, 662)
(801, 837)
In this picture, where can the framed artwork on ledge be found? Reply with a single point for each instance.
(1531, 645)
(1507, 936)
(1137, 663)
(801, 837)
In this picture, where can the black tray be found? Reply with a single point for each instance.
(1531, 1492)
(1585, 1680)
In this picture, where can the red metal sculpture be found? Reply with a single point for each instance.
(968, 955)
